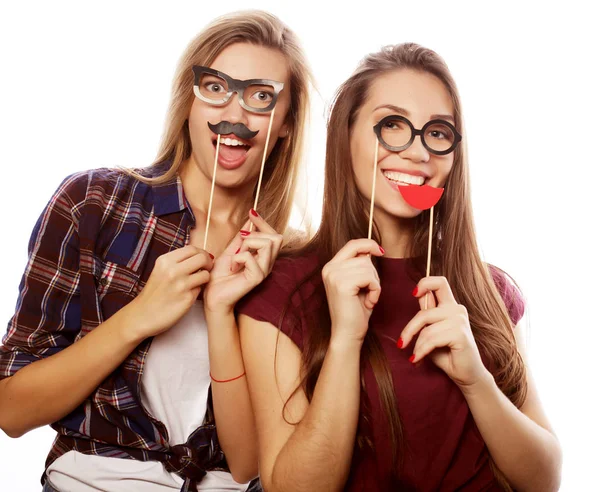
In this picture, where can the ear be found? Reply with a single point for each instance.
(284, 131)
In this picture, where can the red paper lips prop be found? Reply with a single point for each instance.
(421, 197)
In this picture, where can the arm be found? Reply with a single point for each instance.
(310, 446)
(521, 441)
(244, 264)
(316, 453)
(231, 401)
(48, 389)
(44, 374)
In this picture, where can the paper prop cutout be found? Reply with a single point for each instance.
(396, 133)
(421, 197)
(223, 128)
(216, 88)
(212, 192)
(262, 166)
(238, 129)
(254, 95)
(373, 187)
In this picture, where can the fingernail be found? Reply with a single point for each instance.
(382, 250)
(400, 343)
(238, 250)
(412, 358)
(415, 291)
(212, 257)
(254, 212)
(245, 233)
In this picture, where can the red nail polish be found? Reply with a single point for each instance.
(238, 250)
(382, 250)
(400, 343)
(212, 257)
(412, 358)
(245, 233)
(254, 212)
(415, 291)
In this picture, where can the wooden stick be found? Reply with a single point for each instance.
(429, 251)
(262, 166)
(212, 191)
(373, 187)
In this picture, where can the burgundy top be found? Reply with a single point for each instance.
(443, 448)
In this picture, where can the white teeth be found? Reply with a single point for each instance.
(232, 142)
(402, 178)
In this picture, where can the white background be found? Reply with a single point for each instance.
(85, 85)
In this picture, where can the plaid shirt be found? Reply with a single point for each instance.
(90, 253)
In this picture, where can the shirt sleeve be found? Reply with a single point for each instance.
(277, 301)
(510, 293)
(47, 316)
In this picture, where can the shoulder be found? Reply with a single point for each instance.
(283, 298)
(94, 184)
(289, 273)
(510, 293)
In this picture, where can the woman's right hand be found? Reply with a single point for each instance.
(171, 290)
(352, 287)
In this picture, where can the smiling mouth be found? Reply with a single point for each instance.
(231, 142)
(403, 179)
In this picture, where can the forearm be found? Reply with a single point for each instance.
(528, 454)
(231, 401)
(48, 389)
(318, 454)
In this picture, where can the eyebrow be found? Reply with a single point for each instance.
(406, 113)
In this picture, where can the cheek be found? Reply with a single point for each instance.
(362, 163)
(445, 167)
(281, 111)
(197, 120)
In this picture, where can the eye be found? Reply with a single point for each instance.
(214, 87)
(394, 125)
(440, 134)
(263, 96)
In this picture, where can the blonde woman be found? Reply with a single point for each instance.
(123, 318)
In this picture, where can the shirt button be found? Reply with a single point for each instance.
(103, 281)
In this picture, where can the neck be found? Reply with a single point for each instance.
(229, 205)
(396, 234)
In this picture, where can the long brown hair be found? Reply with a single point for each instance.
(455, 252)
(283, 164)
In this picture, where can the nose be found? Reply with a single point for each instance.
(234, 112)
(416, 152)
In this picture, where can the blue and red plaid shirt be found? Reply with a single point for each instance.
(90, 253)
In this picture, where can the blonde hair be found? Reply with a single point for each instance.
(283, 164)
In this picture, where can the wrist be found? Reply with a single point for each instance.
(480, 386)
(218, 311)
(345, 344)
(134, 323)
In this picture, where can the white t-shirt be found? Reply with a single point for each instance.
(175, 383)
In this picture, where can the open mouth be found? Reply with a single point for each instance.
(232, 151)
(414, 189)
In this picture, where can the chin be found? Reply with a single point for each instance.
(235, 181)
(401, 211)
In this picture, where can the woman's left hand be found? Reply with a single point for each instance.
(244, 264)
(444, 333)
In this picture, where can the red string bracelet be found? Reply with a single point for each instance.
(226, 380)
